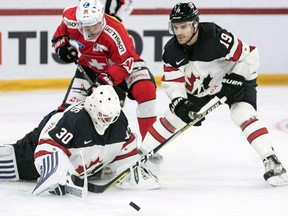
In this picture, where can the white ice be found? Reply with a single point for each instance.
(207, 171)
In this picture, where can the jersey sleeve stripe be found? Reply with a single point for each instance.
(237, 54)
(180, 80)
(121, 157)
(131, 139)
(169, 68)
(252, 48)
(54, 143)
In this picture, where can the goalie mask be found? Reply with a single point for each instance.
(90, 18)
(103, 106)
(183, 12)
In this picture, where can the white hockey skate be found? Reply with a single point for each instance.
(275, 173)
(139, 179)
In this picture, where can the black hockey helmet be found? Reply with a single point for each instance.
(184, 12)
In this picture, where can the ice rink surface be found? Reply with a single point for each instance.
(207, 171)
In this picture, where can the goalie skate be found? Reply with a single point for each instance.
(275, 173)
(139, 179)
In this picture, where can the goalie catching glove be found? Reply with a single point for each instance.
(183, 108)
(66, 52)
(233, 88)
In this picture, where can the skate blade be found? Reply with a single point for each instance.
(279, 180)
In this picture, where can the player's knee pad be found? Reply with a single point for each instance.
(241, 112)
(8, 166)
(144, 93)
(140, 73)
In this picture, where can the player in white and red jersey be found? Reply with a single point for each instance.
(203, 61)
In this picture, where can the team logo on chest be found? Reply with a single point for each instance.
(190, 81)
(194, 81)
(99, 48)
(205, 84)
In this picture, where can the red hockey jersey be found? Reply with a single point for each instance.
(112, 52)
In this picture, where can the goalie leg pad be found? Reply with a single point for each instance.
(140, 178)
(8, 166)
(54, 170)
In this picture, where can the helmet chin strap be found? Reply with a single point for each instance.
(192, 35)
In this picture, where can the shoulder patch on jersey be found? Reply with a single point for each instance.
(116, 38)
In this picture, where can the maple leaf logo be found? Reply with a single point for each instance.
(205, 84)
(190, 82)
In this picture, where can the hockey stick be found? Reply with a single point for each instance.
(101, 188)
(87, 78)
(77, 190)
(83, 72)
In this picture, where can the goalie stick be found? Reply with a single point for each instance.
(94, 188)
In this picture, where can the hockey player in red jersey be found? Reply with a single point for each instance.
(203, 61)
(107, 53)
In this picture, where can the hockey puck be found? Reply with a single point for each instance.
(134, 206)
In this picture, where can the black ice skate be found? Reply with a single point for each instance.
(275, 173)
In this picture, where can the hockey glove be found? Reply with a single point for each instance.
(233, 88)
(182, 107)
(101, 79)
(66, 52)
